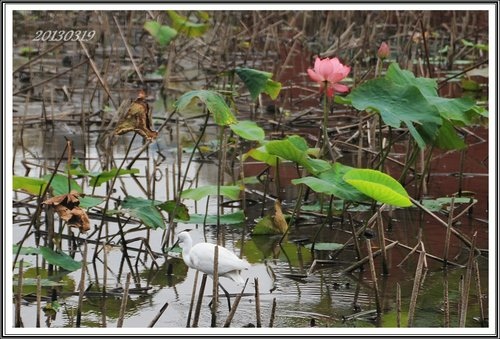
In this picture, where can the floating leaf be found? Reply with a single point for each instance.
(31, 185)
(265, 226)
(379, 186)
(325, 246)
(272, 224)
(436, 205)
(60, 259)
(183, 25)
(99, 178)
(213, 101)
(232, 192)
(25, 250)
(225, 219)
(43, 282)
(248, 130)
(161, 33)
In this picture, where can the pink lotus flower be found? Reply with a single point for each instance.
(328, 72)
(383, 51)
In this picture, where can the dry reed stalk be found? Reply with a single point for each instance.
(431, 256)
(273, 313)
(448, 231)
(236, 302)
(127, 47)
(105, 270)
(38, 84)
(38, 300)
(446, 302)
(19, 295)
(367, 258)
(466, 285)
(482, 314)
(417, 280)
(257, 303)
(81, 286)
(360, 144)
(157, 317)
(374, 276)
(357, 246)
(200, 299)
(215, 289)
(193, 297)
(460, 292)
(398, 305)
(123, 305)
(457, 233)
(98, 74)
(381, 237)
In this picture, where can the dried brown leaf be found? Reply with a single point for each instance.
(137, 119)
(66, 206)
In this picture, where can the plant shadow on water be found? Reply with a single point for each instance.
(291, 157)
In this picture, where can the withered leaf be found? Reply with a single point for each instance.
(137, 118)
(278, 218)
(66, 206)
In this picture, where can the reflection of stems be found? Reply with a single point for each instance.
(327, 219)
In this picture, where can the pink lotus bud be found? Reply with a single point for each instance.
(383, 51)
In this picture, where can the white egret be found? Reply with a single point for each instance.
(201, 258)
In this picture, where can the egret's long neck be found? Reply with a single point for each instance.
(186, 248)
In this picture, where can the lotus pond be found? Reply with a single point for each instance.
(351, 175)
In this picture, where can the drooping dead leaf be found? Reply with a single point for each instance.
(66, 206)
(137, 118)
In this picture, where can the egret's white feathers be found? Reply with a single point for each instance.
(201, 258)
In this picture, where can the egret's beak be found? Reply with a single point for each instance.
(168, 249)
(176, 243)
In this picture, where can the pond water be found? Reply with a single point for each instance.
(307, 288)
